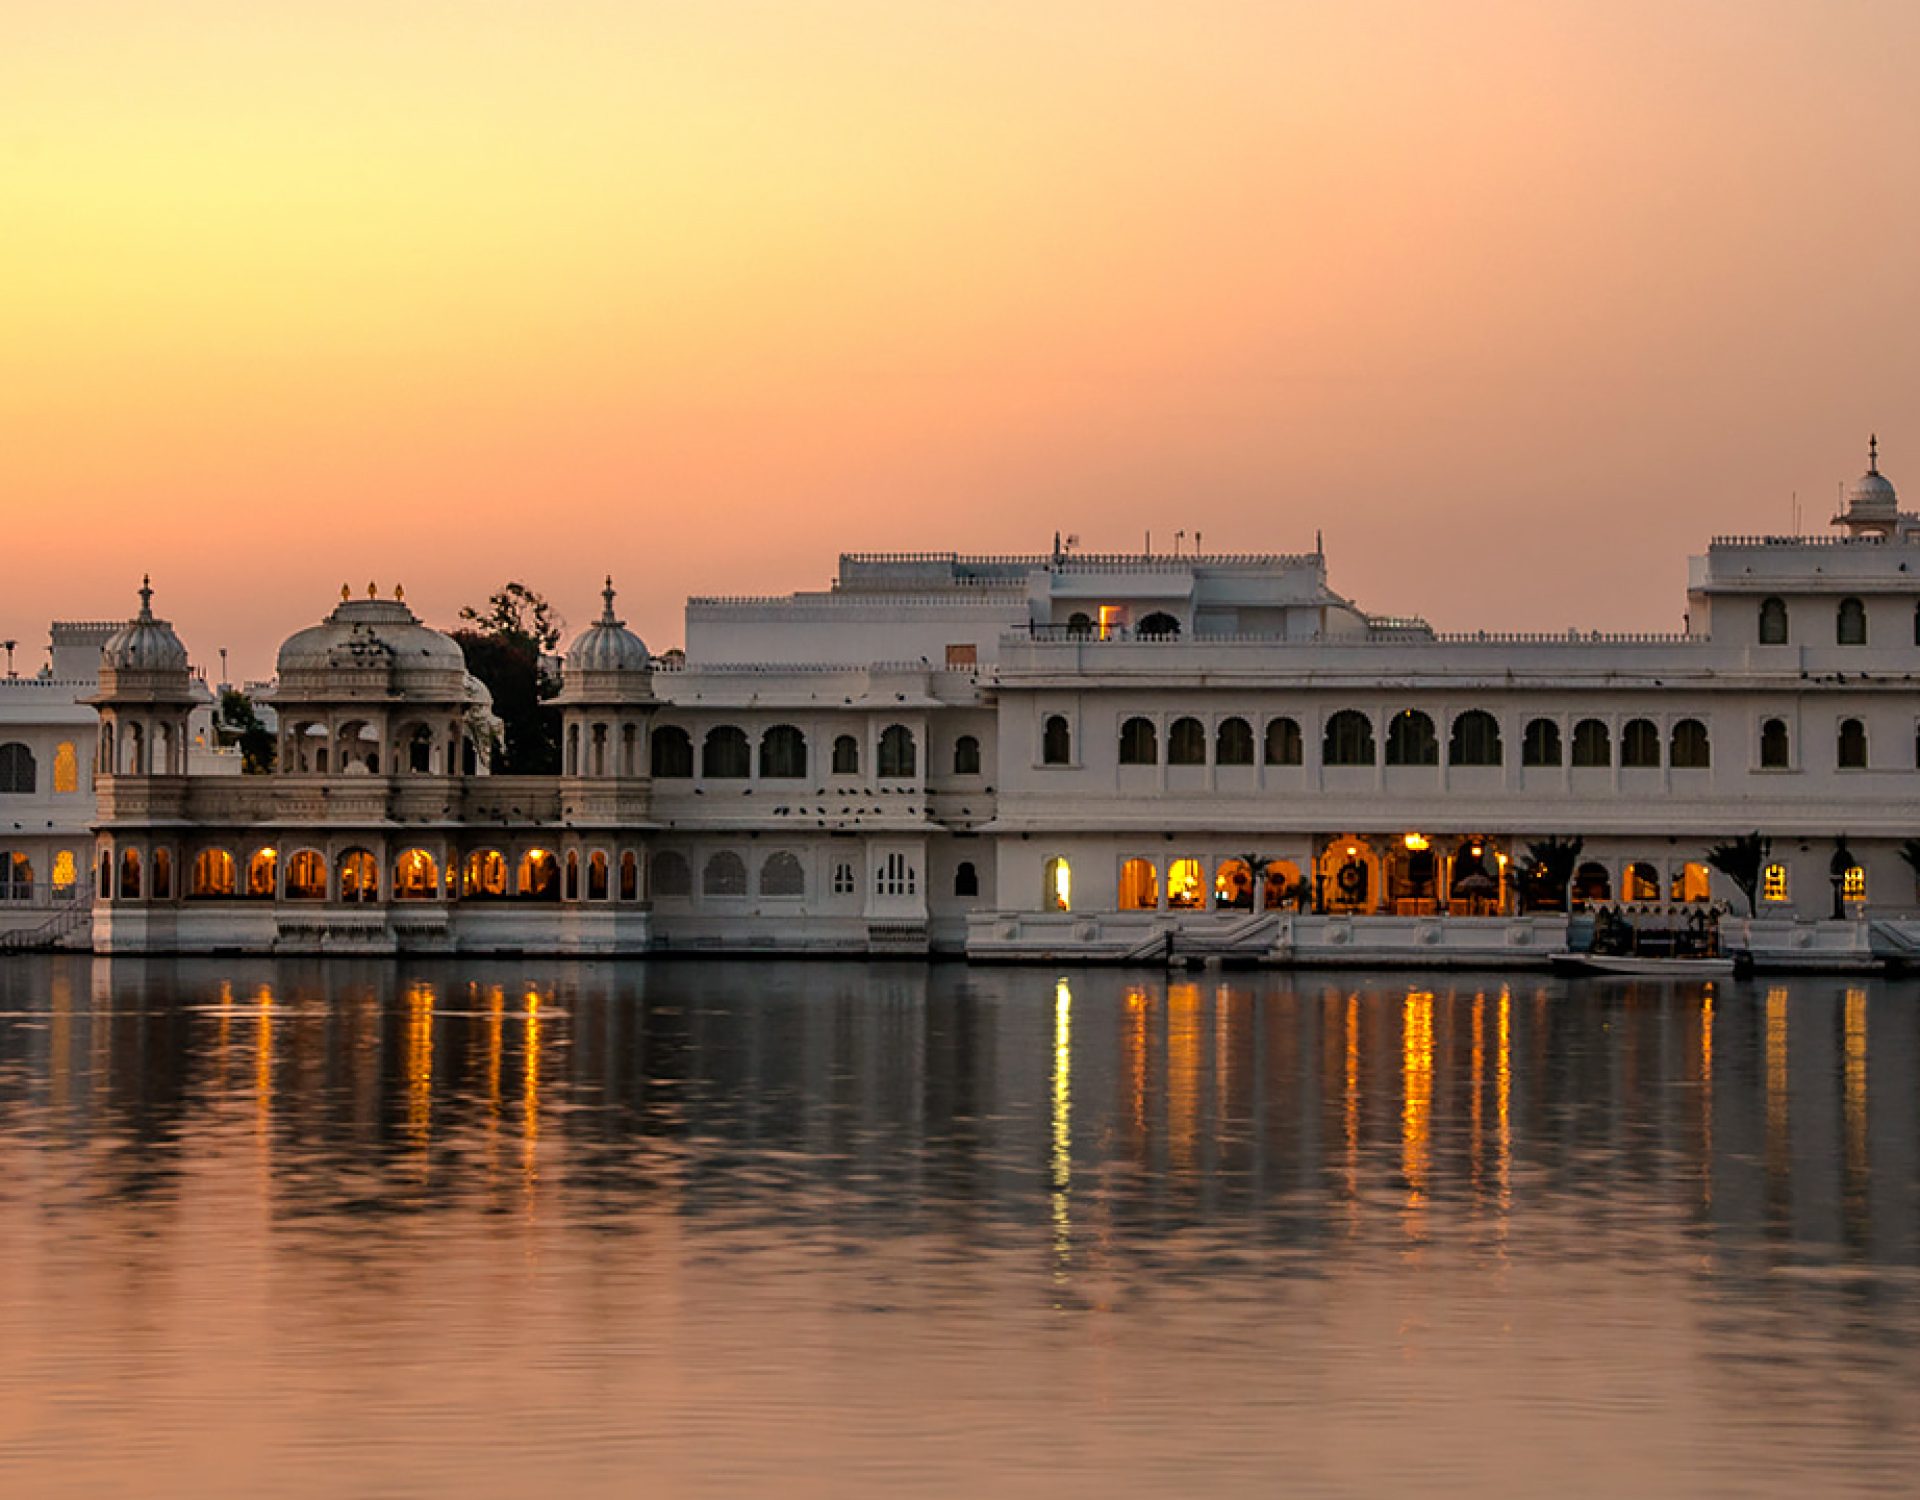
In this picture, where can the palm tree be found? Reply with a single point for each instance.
(1547, 868)
(1741, 861)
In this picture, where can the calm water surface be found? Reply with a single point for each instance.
(703, 1229)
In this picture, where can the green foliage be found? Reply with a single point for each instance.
(1546, 870)
(1741, 861)
(1910, 852)
(506, 647)
(236, 723)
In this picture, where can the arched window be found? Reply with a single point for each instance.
(416, 876)
(1187, 743)
(486, 876)
(16, 876)
(1540, 743)
(106, 873)
(420, 748)
(1640, 744)
(129, 873)
(629, 751)
(671, 875)
(783, 752)
(966, 756)
(263, 872)
(1282, 884)
(213, 874)
(597, 760)
(162, 874)
(1056, 741)
(672, 752)
(17, 770)
(725, 875)
(781, 875)
(1592, 744)
(66, 875)
(1233, 885)
(597, 889)
(572, 891)
(1233, 743)
(846, 755)
(1079, 625)
(1476, 739)
(1773, 883)
(1850, 623)
(572, 760)
(1411, 740)
(897, 757)
(629, 876)
(1591, 883)
(1348, 740)
(306, 875)
(1853, 745)
(725, 755)
(1139, 743)
(966, 880)
(843, 881)
(538, 877)
(1689, 748)
(1139, 886)
(1186, 885)
(1853, 883)
(1056, 885)
(896, 876)
(1642, 882)
(1773, 622)
(1159, 626)
(1773, 745)
(1691, 882)
(66, 768)
(1283, 742)
(359, 876)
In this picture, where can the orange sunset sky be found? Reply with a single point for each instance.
(1519, 302)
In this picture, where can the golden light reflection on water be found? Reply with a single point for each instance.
(530, 1096)
(1706, 1097)
(1416, 1109)
(1779, 1157)
(1061, 1186)
(1184, 1045)
(263, 1060)
(1854, 1104)
(1350, 1111)
(1503, 1104)
(419, 1063)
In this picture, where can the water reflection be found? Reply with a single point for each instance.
(1503, 1209)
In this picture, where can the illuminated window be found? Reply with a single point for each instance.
(1691, 883)
(1282, 885)
(416, 876)
(486, 875)
(129, 873)
(307, 876)
(1773, 883)
(16, 876)
(213, 874)
(1853, 884)
(1186, 885)
(262, 870)
(1057, 885)
(66, 874)
(1139, 886)
(66, 768)
(1233, 885)
(1592, 883)
(359, 876)
(1642, 882)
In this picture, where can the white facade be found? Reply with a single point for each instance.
(1099, 757)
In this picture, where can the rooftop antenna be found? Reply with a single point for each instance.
(1149, 541)
(1319, 548)
(1179, 537)
(9, 645)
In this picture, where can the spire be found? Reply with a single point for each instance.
(606, 615)
(1873, 453)
(146, 596)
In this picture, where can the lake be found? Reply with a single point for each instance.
(710, 1228)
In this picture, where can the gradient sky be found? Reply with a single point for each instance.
(1519, 302)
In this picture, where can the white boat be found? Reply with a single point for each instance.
(1635, 966)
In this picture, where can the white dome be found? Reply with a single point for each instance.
(1872, 496)
(371, 648)
(607, 645)
(144, 644)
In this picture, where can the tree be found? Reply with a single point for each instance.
(1546, 870)
(238, 724)
(507, 645)
(1741, 861)
(1910, 852)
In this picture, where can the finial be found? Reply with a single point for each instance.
(372, 592)
(606, 615)
(1873, 453)
(399, 594)
(345, 593)
(146, 596)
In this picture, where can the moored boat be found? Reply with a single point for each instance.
(1642, 966)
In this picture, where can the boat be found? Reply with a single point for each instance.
(1643, 966)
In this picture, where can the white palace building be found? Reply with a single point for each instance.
(1062, 757)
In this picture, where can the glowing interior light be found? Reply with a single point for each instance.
(1414, 841)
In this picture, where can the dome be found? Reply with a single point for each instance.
(607, 645)
(1872, 496)
(372, 645)
(144, 644)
